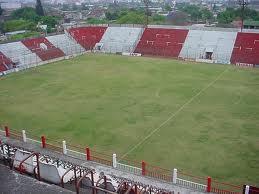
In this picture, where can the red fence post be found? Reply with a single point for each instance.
(143, 165)
(209, 184)
(88, 157)
(7, 131)
(43, 141)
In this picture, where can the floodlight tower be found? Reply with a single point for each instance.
(147, 2)
(243, 4)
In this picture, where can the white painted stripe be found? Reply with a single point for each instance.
(174, 114)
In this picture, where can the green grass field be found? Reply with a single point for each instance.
(209, 113)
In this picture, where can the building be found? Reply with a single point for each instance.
(10, 5)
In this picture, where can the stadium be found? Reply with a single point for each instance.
(133, 109)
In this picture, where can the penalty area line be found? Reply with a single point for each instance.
(173, 114)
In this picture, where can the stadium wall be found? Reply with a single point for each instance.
(212, 46)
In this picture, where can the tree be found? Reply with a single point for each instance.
(24, 35)
(168, 7)
(26, 13)
(14, 25)
(178, 18)
(158, 19)
(111, 15)
(49, 21)
(193, 11)
(2, 27)
(147, 3)
(214, 8)
(226, 16)
(39, 8)
(206, 14)
(132, 17)
(96, 21)
(248, 13)
(231, 14)
(1, 10)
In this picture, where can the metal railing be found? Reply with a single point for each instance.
(37, 161)
(191, 184)
(128, 168)
(76, 154)
(182, 179)
(33, 141)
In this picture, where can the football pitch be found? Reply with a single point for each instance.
(201, 118)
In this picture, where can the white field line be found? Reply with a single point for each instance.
(173, 114)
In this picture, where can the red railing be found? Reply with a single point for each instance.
(188, 176)
(223, 191)
(31, 136)
(37, 159)
(53, 147)
(75, 147)
(101, 158)
(62, 178)
(15, 135)
(225, 188)
(80, 180)
(130, 162)
(158, 173)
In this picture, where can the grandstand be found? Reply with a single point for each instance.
(19, 54)
(210, 46)
(246, 49)
(119, 39)
(87, 37)
(5, 63)
(161, 42)
(43, 48)
(65, 43)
